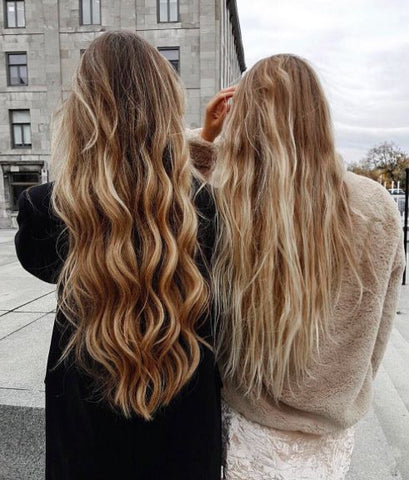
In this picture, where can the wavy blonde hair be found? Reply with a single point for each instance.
(285, 227)
(129, 284)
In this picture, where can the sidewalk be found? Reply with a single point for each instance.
(26, 318)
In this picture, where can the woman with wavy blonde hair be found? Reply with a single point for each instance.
(132, 390)
(306, 271)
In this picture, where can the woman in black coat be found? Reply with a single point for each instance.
(132, 390)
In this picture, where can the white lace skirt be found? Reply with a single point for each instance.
(254, 452)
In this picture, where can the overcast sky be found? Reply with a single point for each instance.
(360, 49)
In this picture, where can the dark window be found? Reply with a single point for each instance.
(90, 12)
(20, 128)
(168, 10)
(15, 14)
(19, 182)
(82, 51)
(171, 54)
(17, 68)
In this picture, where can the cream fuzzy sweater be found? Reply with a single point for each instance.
(340, 390)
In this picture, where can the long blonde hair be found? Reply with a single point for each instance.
(285, 227)
(129, 285)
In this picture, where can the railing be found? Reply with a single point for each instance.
(402, 201)
(405, 224)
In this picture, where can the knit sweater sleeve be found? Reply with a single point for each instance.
(202, 152)
(390, 301)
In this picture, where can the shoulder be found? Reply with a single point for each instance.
(37, 199)
(371, 199)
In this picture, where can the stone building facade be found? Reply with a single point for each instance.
(41, 44)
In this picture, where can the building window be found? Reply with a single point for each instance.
(171, 54)
(15, 14)
(168, 10)
(20, 128)
(17, 68)
(90, 12)
(19, 182)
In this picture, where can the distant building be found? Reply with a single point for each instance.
(41, 44)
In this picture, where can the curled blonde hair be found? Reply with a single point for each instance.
(285, 227)
(129, 284)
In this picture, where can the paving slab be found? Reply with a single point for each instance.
(44, 304)
(18, 288)
(23, 356)
(12, 322)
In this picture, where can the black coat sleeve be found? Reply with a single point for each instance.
(40, 241)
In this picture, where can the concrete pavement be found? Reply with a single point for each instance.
(26, 316)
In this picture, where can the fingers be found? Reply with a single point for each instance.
(222, 96)
(232, 88)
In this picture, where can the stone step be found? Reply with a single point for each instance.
(372, 458)
(402, 326)
(396, 363)
(393, 417)
(401, 344)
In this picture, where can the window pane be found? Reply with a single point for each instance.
(14, 78)
(86, 12)
(21, 21)
(17, 59)
(11, 15)
(173, 6)
(163, 11)
(21, 116)
(96, 12)
(30, 177)
(27, 134)
(23, 75)
(17, 135)
(175, 64)
(170, 53)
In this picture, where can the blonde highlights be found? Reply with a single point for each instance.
(285, 228)
(129, 285)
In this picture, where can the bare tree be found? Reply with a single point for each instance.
(386, 161)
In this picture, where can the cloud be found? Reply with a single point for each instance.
(360, 49)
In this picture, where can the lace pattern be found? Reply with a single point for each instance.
(255, 452)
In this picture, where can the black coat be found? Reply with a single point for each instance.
(85, 439)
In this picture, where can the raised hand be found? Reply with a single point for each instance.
(216, 112)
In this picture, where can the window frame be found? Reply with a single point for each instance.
(6, 18)
(161, 49)
(168, 12)
(24, 146)
(82, 24)
(8, 65)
